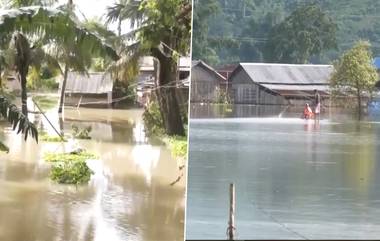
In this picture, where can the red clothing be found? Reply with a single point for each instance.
(307, 112)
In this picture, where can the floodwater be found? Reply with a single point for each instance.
(295, 179)
(128, 198)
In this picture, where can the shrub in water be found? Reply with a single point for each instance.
(152, 120)
(71, 172)
(81, 133)
(177, 145)
(68, 157)
(70, 168)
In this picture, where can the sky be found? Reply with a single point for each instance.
(96, 9)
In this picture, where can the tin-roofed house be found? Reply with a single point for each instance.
(278, 84)
(205, 83)
(94, 89)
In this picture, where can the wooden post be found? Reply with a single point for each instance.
(231, 221)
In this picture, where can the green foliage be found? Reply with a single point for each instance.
(127, 90)
(18, 120)
(71, 173)
(203, 10)
(3, 147)
(69, 157)
(177, 145)
(79, 133)
(306, 32)
(248, 23)
(70, 168)
(153, 120)
(41, 79)
(50, 138)
(354, 73)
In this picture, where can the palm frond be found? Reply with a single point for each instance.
(53, 25)
(126, 10)
(19, 121)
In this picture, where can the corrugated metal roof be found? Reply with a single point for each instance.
(94, 83)
(206, 66)
(288, 73)
(296, 87)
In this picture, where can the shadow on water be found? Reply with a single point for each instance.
(128, 197)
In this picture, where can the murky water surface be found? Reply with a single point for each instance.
(295, 179)
(128, 197)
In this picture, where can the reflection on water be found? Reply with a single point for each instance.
(294, 179)
(128, 197)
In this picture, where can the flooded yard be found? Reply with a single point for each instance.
(295, 179)
(128, 197)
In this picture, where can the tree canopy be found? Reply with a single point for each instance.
(248, 23)
(354, 73)
(306, 32)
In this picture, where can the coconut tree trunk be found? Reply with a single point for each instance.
(24, 96)
(63, 88)
(166, 94)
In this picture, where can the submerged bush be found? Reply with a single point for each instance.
(81, 133)
(76, 172)
(152, 120)
(177, 145)
(70, 168)
(50, 138)
(68, 157)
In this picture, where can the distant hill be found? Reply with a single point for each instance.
(246, 24)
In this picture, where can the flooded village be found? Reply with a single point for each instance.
(295, 176)
(88, 152)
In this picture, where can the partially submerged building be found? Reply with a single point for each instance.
(92, 89)
(146, 79)
(205, 83)
(278, 84)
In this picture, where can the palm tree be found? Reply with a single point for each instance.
(61, 36)
(124, 10)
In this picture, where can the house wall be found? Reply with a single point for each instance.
(89, 100)
(245, 91)
(203, 85)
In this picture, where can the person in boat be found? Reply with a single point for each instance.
(307, 112)
(317, 105)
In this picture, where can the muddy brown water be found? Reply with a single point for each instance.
(128, 197)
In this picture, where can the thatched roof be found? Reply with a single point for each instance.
(93, 83)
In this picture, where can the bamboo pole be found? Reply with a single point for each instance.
(231, 221)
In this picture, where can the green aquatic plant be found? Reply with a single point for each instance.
(44, 136)
(76, 172)
(69, 157)
(177, 145)
(79, 133)
(70, 168)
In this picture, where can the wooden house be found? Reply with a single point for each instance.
(205, 83)
(278, 84)
(94, 89)
(146, 79)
